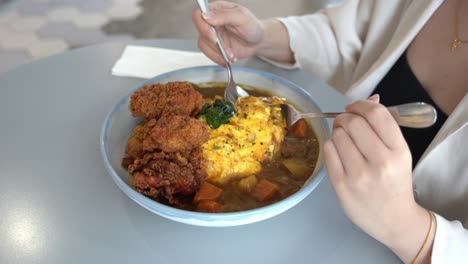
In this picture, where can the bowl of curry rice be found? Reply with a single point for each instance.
(177, 148)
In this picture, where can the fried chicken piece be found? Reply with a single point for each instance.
(175, 133)
(135, 142)
(154, 101)
(135, 148)
(170, 133)
(161, 175)
(165, 156)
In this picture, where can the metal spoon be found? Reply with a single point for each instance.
(233, 91)
(414, 115)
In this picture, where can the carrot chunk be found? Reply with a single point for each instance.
(300, 129)
(208, 206)
(264, 190)
(207, 191)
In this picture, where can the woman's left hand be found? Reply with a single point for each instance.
(369, 165)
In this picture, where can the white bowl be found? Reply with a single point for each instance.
(119, 123)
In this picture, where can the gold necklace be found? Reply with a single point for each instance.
(457, 42)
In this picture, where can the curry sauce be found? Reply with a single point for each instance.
(287, 166)
(247, 160)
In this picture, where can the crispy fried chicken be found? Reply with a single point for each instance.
(154, 101)
(162, 175)
(173, 133)
(164, 155)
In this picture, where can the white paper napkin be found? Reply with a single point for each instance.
(147, 62)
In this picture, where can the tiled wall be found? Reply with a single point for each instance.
(34, 29)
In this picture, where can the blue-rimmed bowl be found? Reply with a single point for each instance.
(119, 124)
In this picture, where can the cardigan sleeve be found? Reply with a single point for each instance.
(328, 43)
(450, 242)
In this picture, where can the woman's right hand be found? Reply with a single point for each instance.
(241, 32)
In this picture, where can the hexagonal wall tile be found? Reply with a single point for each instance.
(65, 2)
(127, 1)
(47, 47)
(124, 11)
(4, 31)
(95, 6)
(56, 29)
(7, 16)
(63, 14)
(33, 7)
(90, 20)
(21, 40)
(84, 37)
(28, 23)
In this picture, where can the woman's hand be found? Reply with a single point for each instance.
(242, 34)
(240, 30)
(369, 166)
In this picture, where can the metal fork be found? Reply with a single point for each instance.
(232, 91)
(414, 115)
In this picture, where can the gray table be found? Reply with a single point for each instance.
(59, 205)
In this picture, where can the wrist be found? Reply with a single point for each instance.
(409, 233)
(274, 43)
(265, 44)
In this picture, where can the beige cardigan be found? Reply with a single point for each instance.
(352, 47)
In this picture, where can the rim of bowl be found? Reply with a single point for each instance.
(201, 218)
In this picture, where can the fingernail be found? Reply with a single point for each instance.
(208, 15)
(234, 59)
(213, 36)
(230, 54)
(375, 98)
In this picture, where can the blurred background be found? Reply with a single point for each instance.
(34, 29)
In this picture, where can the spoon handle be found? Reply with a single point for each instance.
(414, 115)
(321, 115)
(203, 4)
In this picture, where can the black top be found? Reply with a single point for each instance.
(401, 86)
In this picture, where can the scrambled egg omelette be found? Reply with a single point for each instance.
(236, 149)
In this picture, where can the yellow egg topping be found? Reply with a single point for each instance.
(236, 149)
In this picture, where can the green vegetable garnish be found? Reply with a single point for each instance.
(217, 113)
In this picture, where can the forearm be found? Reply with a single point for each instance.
(275, 43)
